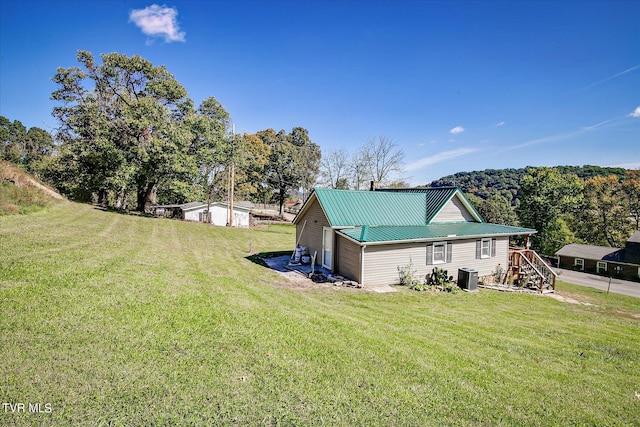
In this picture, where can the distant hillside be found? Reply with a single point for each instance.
(506, 182)
(21, 192)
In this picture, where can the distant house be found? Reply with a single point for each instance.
(216, 213)
(366, 235)
(619, 262)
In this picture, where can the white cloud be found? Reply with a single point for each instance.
(158, 21)
(497, 125)
(456, 130)
(438, 158)
(636, 112)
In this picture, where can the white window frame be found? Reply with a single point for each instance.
(488, 248)
(601, 265)
(442, 245)
(327, 248)
(580, 263)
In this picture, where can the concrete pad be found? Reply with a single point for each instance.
(382, 289)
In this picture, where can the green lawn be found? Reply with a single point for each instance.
(114, 319)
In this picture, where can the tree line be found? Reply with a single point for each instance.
(130, 137)
(565, 208)
(32, 149)
(506, 182)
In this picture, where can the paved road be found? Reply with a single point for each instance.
(623, 287)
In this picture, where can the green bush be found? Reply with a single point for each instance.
(440, 280)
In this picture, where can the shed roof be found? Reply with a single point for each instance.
(635, 237)
(242, 206)
(577, 250)
(386, 234)
(415, 207)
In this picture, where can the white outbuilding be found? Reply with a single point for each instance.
(216, 213)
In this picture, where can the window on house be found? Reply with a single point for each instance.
(579, 264)
(439, 253)
(601, 267)
(485, 251)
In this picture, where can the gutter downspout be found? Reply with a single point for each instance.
(362, 248)
(363, 237)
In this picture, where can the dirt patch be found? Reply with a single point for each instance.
(567, 299)
(623, 314)
(19, 178)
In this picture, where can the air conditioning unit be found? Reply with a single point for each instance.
(468, 279)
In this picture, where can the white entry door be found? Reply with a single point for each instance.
(327, 248)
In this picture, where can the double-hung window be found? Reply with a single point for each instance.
(485, 251)
(486, 248)
(439, 253)
(579, 264)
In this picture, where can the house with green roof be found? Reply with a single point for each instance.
(366, 235)
(607, 261)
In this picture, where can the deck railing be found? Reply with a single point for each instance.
(529, 270)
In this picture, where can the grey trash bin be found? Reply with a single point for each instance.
(468, 279)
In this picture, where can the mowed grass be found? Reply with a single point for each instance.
(123, 320)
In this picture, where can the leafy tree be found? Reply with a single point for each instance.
(38, 148)
(631, 188)
(208, 151)
(12, 137)
(496, 209)
(31, 148)
(546, 196)
(307, 158)
(558, 234)
(123, 125)
(604, 216)
(293, 161)
(250, 170)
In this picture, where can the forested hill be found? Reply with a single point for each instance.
(506, 182)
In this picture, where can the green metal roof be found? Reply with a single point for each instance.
(386, 207)
(380, 234)
(437, 197)
(352, 208)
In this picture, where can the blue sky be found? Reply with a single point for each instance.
(458, 86)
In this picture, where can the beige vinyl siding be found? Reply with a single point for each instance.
(312, 234)
(347, 258)
(453, 211)
(382, 261)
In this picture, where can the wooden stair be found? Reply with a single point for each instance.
(529, 270)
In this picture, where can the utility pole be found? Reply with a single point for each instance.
(232, 174)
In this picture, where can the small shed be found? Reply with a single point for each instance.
(216, 213)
